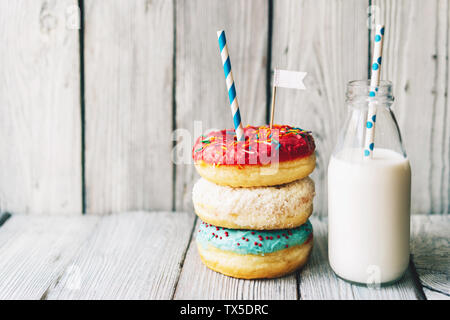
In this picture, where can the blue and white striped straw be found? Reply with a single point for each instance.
(230, 86)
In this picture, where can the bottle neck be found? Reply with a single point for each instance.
(361, 92)
(370, 121)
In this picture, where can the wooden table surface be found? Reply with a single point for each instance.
(152, 255)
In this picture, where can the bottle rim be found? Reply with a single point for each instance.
(362, 89)
(366, 83)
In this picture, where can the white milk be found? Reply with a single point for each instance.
(369, 215)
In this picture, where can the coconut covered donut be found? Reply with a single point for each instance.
(267, 157)
(258, 208)
(251, 254)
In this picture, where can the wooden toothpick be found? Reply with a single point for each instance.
(274, 92)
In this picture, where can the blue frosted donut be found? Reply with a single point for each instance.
(256, 242)
(253, 254)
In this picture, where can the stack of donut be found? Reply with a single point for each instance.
(254, 200)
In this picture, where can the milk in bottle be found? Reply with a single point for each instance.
(369, 199)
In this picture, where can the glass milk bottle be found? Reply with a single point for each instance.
(369, 198)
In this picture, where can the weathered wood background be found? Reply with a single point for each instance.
(87, 115)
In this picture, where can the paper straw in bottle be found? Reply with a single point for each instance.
(374, 83)
(230, 86)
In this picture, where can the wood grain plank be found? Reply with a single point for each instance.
(135, 255)
(434, 295)
(444, 52)
(201, 93)
(419, 71)
(128, 68)
(36, 250)
(318, 281)
(439, 161)
(329, 41)
(40, 137)
(197, 282)
(431, 254)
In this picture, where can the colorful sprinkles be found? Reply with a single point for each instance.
(222, 147)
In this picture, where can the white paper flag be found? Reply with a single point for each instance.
(289, 79)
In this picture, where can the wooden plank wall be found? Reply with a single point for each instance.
(87, 117)
(128, 49)
(416, 60)
(40, 131)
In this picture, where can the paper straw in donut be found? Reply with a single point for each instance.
(374, 83)
(230, 86)
(285, 79)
